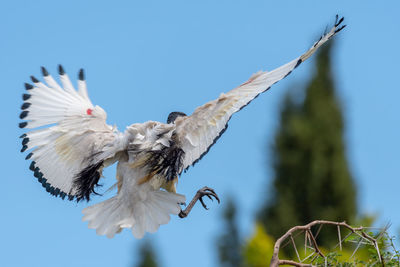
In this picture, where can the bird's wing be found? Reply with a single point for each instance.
(71, 142)
(199, 131)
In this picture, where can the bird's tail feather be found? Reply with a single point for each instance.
(145, 215)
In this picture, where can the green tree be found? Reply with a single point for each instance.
(147, 255)
(229, 243)
(312, 179)
(259, 248)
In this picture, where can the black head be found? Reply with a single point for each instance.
(173, 115)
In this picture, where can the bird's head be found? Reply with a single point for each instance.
(173, 115)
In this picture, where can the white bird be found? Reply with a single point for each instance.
(72, 144)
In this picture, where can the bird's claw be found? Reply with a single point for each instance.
(208, 192)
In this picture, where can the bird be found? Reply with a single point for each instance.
(70, 144)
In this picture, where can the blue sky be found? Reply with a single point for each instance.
(144, 59)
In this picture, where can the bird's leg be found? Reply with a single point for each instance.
(205, 191)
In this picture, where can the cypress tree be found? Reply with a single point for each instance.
(311, 179)
(147, 256)
(229, 243)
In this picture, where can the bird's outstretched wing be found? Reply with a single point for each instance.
(72, 142)
(199, 131)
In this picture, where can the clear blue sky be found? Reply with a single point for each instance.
(144, 59)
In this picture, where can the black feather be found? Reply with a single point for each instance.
(57, 192)
(37, 173)
(23, 136)
(32, 166)
(25, 141)
(86, 181)
(341, 28)
(24, 148)
(22, 124)
(61, 70)
(44, 72)
(49, 188)
(34, 79)
(25, 105)
(81, 75)
(26, 96)
(28, 86)
(298, 63)
(29, 156)
(338, 21)
(167, 161)
(23, 114)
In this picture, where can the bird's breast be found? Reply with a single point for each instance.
(162, 162)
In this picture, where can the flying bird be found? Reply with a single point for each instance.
(71, 144)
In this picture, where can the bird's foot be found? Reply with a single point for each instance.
(208, 192)
(205, 191)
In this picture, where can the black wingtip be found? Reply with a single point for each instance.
(25, 105)
(25, 141)
(32, 166)
(61, 70)
(48, 187)
(28, 86)
(341, 28)
(298, 63)
(23, 114)
(44, 71)
(23, 136)
(34, 79)
(338, 21)
(37, 173)
(81, 75)
(26, 97)
(22, 124)
(24, 148)
(29, 156)
(57, 192)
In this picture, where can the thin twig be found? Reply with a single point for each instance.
(319, 230)
(295, 249)
(314, 241)
(358, 245)
(340, 239)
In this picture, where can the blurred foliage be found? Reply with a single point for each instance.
(147, 257)
(229, 243)
(312, 179)
(259, 248)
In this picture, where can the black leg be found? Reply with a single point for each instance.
(205, 191)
